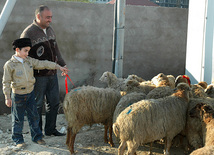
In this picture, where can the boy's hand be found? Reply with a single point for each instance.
(8, 102)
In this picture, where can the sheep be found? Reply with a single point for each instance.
(134, 77)
(126, 101)
(206, 114)
(206, 150)
(135, 86)
(149, 120)
(210, 91)
(171, 79)
(193, 130)
(203, 84)
(192, 133)
(198, 91)
(182, 78)
(88, 105)
(112, 81)
(159, 92)
(160, 80)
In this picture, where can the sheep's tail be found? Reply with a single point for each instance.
(116, 130)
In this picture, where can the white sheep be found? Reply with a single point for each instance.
(160, 80)
(206, 114)
(154, 119)
(171, 81)
(88, 105)
(135, 86)
(160, 92)
(126, 101)
(135, 77)
(112, 81)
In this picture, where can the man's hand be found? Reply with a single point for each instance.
(8, 102)
(64, 70)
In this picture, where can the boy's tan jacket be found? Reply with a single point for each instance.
(19, 76)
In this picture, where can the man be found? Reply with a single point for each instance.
(44, 47)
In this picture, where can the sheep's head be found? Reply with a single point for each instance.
(202, 111)
(210, 91)
(161, 80)
(198, 91)
(131, 84)
(182, 78)
(108, 77)
(182, 90)
(171, 79)
(203, 84)
(135, 77)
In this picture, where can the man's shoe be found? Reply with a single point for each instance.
(40, 142)
(56, 133)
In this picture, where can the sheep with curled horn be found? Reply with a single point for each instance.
(206, 114)
(149, 120)
(89, 105)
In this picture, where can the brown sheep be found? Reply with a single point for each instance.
(206, 114)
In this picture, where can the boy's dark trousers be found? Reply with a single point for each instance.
(21, 105)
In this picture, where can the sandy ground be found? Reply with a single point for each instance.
(89, 141)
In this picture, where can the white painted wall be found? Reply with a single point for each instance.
(199, 55)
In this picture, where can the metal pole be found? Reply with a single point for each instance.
(6, 11)
(114, 37)
(121, 5)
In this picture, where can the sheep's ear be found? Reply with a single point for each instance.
(207, 109)
(200, 105)
(209, 89)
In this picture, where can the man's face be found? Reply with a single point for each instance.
(44, 19)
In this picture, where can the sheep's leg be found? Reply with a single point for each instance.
(132, 148)
(168, 143)
(121, 148)
(105, 134)
(110, 136)
(68, 136)
(150, 149)
(70, 140)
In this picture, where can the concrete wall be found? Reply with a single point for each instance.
(155, 39)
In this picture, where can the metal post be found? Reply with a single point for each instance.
(6, 11)
(121, 5)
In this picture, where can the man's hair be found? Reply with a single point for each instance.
(40, 9)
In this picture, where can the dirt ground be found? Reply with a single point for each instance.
(89, 141)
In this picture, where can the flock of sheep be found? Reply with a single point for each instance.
(139, 112)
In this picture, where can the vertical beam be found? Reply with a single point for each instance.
(6, 11)
(209, 40)
(121, 5)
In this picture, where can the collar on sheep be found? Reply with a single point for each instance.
(188, 79)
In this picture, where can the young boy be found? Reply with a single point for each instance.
(18, 75)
